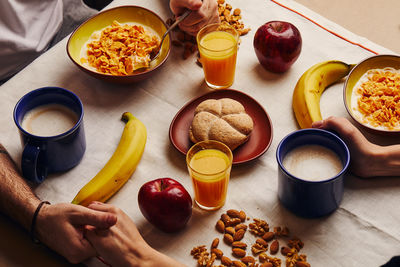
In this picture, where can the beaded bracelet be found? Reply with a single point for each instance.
(33, 224)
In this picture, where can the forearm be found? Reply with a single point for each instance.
(166, 261)
(151, 258)
(387, 161)
(17, 199)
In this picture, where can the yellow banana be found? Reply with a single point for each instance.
(309, 88)
(119, 167)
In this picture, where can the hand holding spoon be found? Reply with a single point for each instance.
(157, 51)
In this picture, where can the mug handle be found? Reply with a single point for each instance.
(29, 164)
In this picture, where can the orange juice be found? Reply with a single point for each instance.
(210, 169)
(218, 50)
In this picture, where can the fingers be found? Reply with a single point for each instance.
(99, 206)
(192, 4)
(204, 12)
(340, 125)
(179, 6)
(99, 219)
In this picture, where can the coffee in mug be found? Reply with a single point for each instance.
(312, 163)
(50, 123)
(49, 120)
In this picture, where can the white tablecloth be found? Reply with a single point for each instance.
(364, 231)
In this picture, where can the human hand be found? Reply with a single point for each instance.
(363, 153)
(61, 228)
(204, 12)
(122, 245)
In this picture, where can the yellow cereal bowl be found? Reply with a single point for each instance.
(122, 14)
(374, 62)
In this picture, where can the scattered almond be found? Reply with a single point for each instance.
(285, 251)
(248, 259)
(238, 264)
(240, 226)
(215, 243)
(230, 230)
(302, 264)
(267, 264)
(268, 236)
(238, 252)
(239, 235)
(228, 239)
(242, 216)
(226, 261)
(233, 213)
(220, 226)
(225, 218)
(233, 222)
(239, 244)
(217, 252)
(274, 248)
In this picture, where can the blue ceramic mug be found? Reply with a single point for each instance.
(50, 123)
(300, 195)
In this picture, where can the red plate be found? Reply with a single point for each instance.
(260, 138)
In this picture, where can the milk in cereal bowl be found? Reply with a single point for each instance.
(372, 93)
(116, 44)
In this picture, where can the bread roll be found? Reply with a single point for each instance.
(224, 120)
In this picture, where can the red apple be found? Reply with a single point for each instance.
(166, 204)
(277, 45)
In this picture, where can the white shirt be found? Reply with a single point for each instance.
(26, 29)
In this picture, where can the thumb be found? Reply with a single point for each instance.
(98, 219)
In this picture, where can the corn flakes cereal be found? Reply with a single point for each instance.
(120, 49)
(377, 97)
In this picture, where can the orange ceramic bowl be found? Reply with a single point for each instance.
(122, 14)
(374, 62)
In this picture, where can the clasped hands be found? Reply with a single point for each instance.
(79, 233)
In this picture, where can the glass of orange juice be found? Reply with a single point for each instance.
(218, 44)
(209, 164)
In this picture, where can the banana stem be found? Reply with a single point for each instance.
(127, 116)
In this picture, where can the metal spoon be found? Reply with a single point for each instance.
(156, 53)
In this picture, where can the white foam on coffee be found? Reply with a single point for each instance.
(49, 120)
(312, 163)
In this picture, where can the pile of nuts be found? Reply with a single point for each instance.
(232, 225)
(226, 15)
